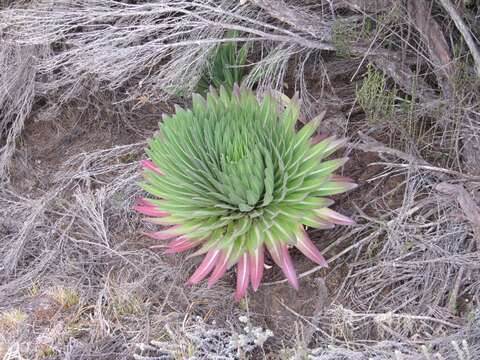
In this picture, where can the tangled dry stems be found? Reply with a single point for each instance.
(411, 285)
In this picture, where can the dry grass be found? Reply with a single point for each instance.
(82, 86)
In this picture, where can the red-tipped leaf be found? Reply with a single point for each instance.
(242, 277)
(145, 202)
(150, 211)
(334, 217)
(288, 268)
(205, 267)
(220, 269)
(148, 164)
(180, 244)
(341, 178)
(256, 262)
(308, 248)
(166, 234)
(275, 249)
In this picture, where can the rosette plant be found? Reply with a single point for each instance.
(233, 178)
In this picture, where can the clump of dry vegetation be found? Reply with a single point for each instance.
(82, 86)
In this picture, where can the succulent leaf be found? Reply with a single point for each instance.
(232, 177)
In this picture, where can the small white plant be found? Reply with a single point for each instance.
(206, 341)
(253, 336)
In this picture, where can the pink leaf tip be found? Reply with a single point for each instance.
(220, 269)
(205, 267)
(150, 211)
(166, 234)
(334, 217)
(256, 262)
(180, 244)
(288, 268)
(242, 276)
(308, 248)
(148, 164)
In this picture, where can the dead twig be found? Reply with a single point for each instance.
(372, 145)
(420, 14)
(467, 177)
(464, 30)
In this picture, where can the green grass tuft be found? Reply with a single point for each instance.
(376, 98)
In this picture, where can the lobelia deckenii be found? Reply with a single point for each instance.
(233, 178)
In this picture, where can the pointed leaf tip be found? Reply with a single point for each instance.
(256, 262)
(144, 202)
(317, 138)
(275, 249)
(343, 181)
(242, 277)
(150, 211)
(335, 145)
(334, 217)
(220, 269)
(148, 164)
(179, 245)
(205, 267)
(166, 234)
(347, 186)
(288, 268)
(308, 248)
